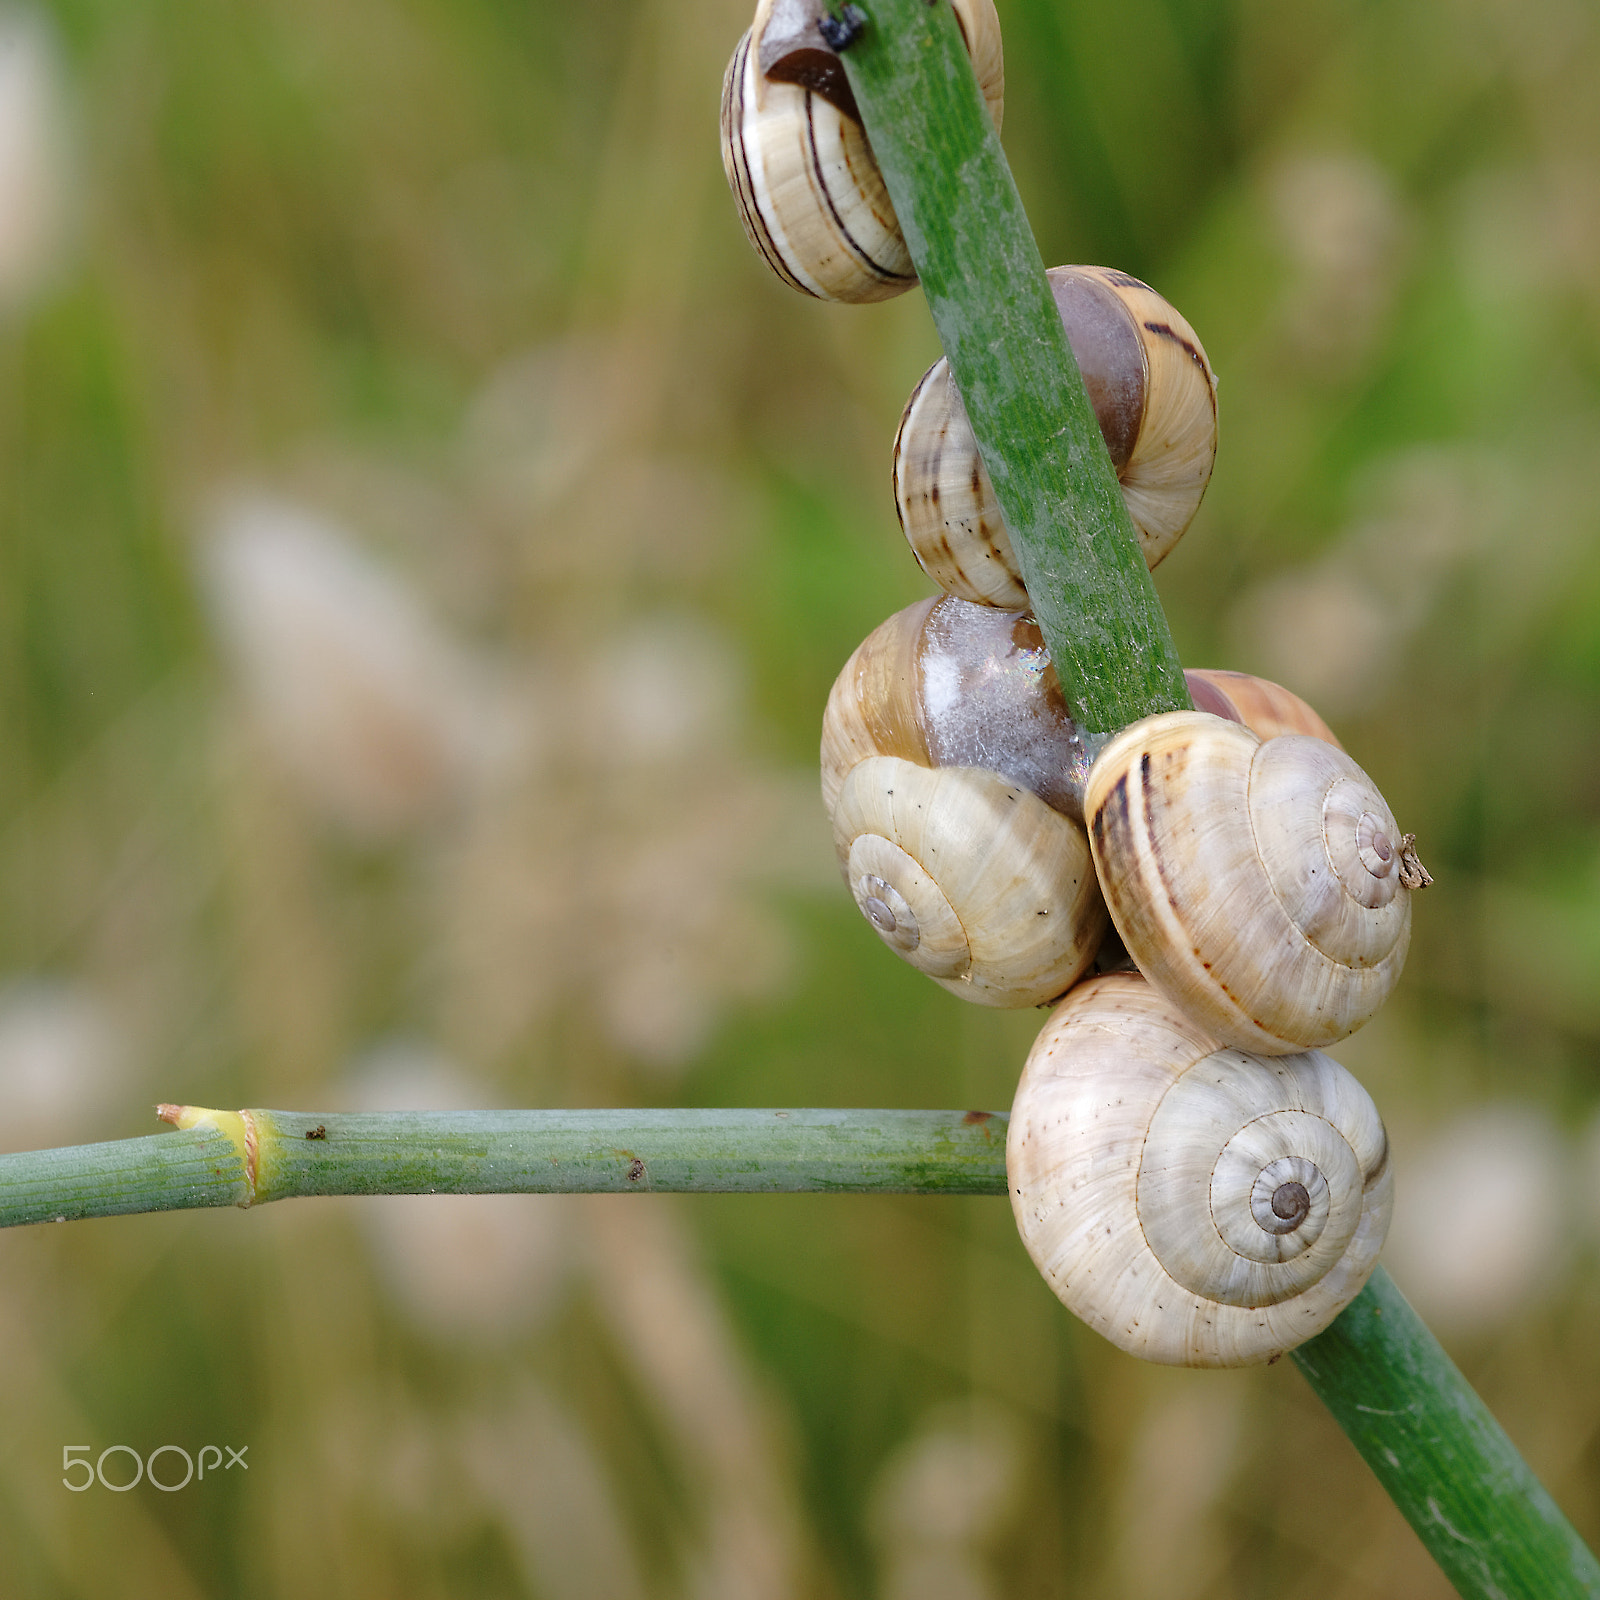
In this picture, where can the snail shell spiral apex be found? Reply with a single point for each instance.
(1198, 1206)
(973, 881)
(1257, 884)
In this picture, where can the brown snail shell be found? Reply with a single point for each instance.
(1265, 708)
(1154, 394)
(1260, 885)
(1197, 1205)
(810, 196)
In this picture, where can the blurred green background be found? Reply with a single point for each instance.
(427, 538)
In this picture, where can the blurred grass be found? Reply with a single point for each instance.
(464, 281)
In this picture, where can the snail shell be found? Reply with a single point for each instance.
(1257, 884)
(970, 879)
(810, 195)
(946, 683)
(1264, 707)
(1197, 1205)
(949, 768)
(1154, 394)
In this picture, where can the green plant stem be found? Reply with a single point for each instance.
(1431, 1441)
(985, 285)
(1449, 1466)
(212, 1163)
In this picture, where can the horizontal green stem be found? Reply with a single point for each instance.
(985, 285)
(1445, 1461)
(164, 1172)
(1448, 1464)
(508, 1152)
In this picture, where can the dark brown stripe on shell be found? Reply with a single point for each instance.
(898, 454)
(750, 214)
(1111, 819)
(1164, 330)
(820, 188)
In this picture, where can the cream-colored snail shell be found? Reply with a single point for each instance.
(1154, 394)
(953, 778)
(810, 195)
(1257, 884)
(946, 683)
(975, 882)
(1197, 1205)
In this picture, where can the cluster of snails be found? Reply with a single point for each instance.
(1194, 1178)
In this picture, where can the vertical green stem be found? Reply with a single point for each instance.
(985, 285)
(1449, 1466)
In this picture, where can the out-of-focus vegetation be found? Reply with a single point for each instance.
(426, 542)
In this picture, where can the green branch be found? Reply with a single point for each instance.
(1429, 1438)
(249, 1157)
(1433, 1444)
(1008, 352)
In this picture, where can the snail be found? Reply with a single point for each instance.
(1197, 1205)
(1262, 885)
(953, 778)
(810, 195)
(972, 880)
(1154, 395)
(948, 682)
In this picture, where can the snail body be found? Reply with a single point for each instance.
(810, 196)
(1197, 1205)
(1260, 885)
(1153, 393)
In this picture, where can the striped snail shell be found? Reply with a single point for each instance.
(943, 750)
(1197, 1205)
(1154, 394)
(1262, 886)
(810, 195)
